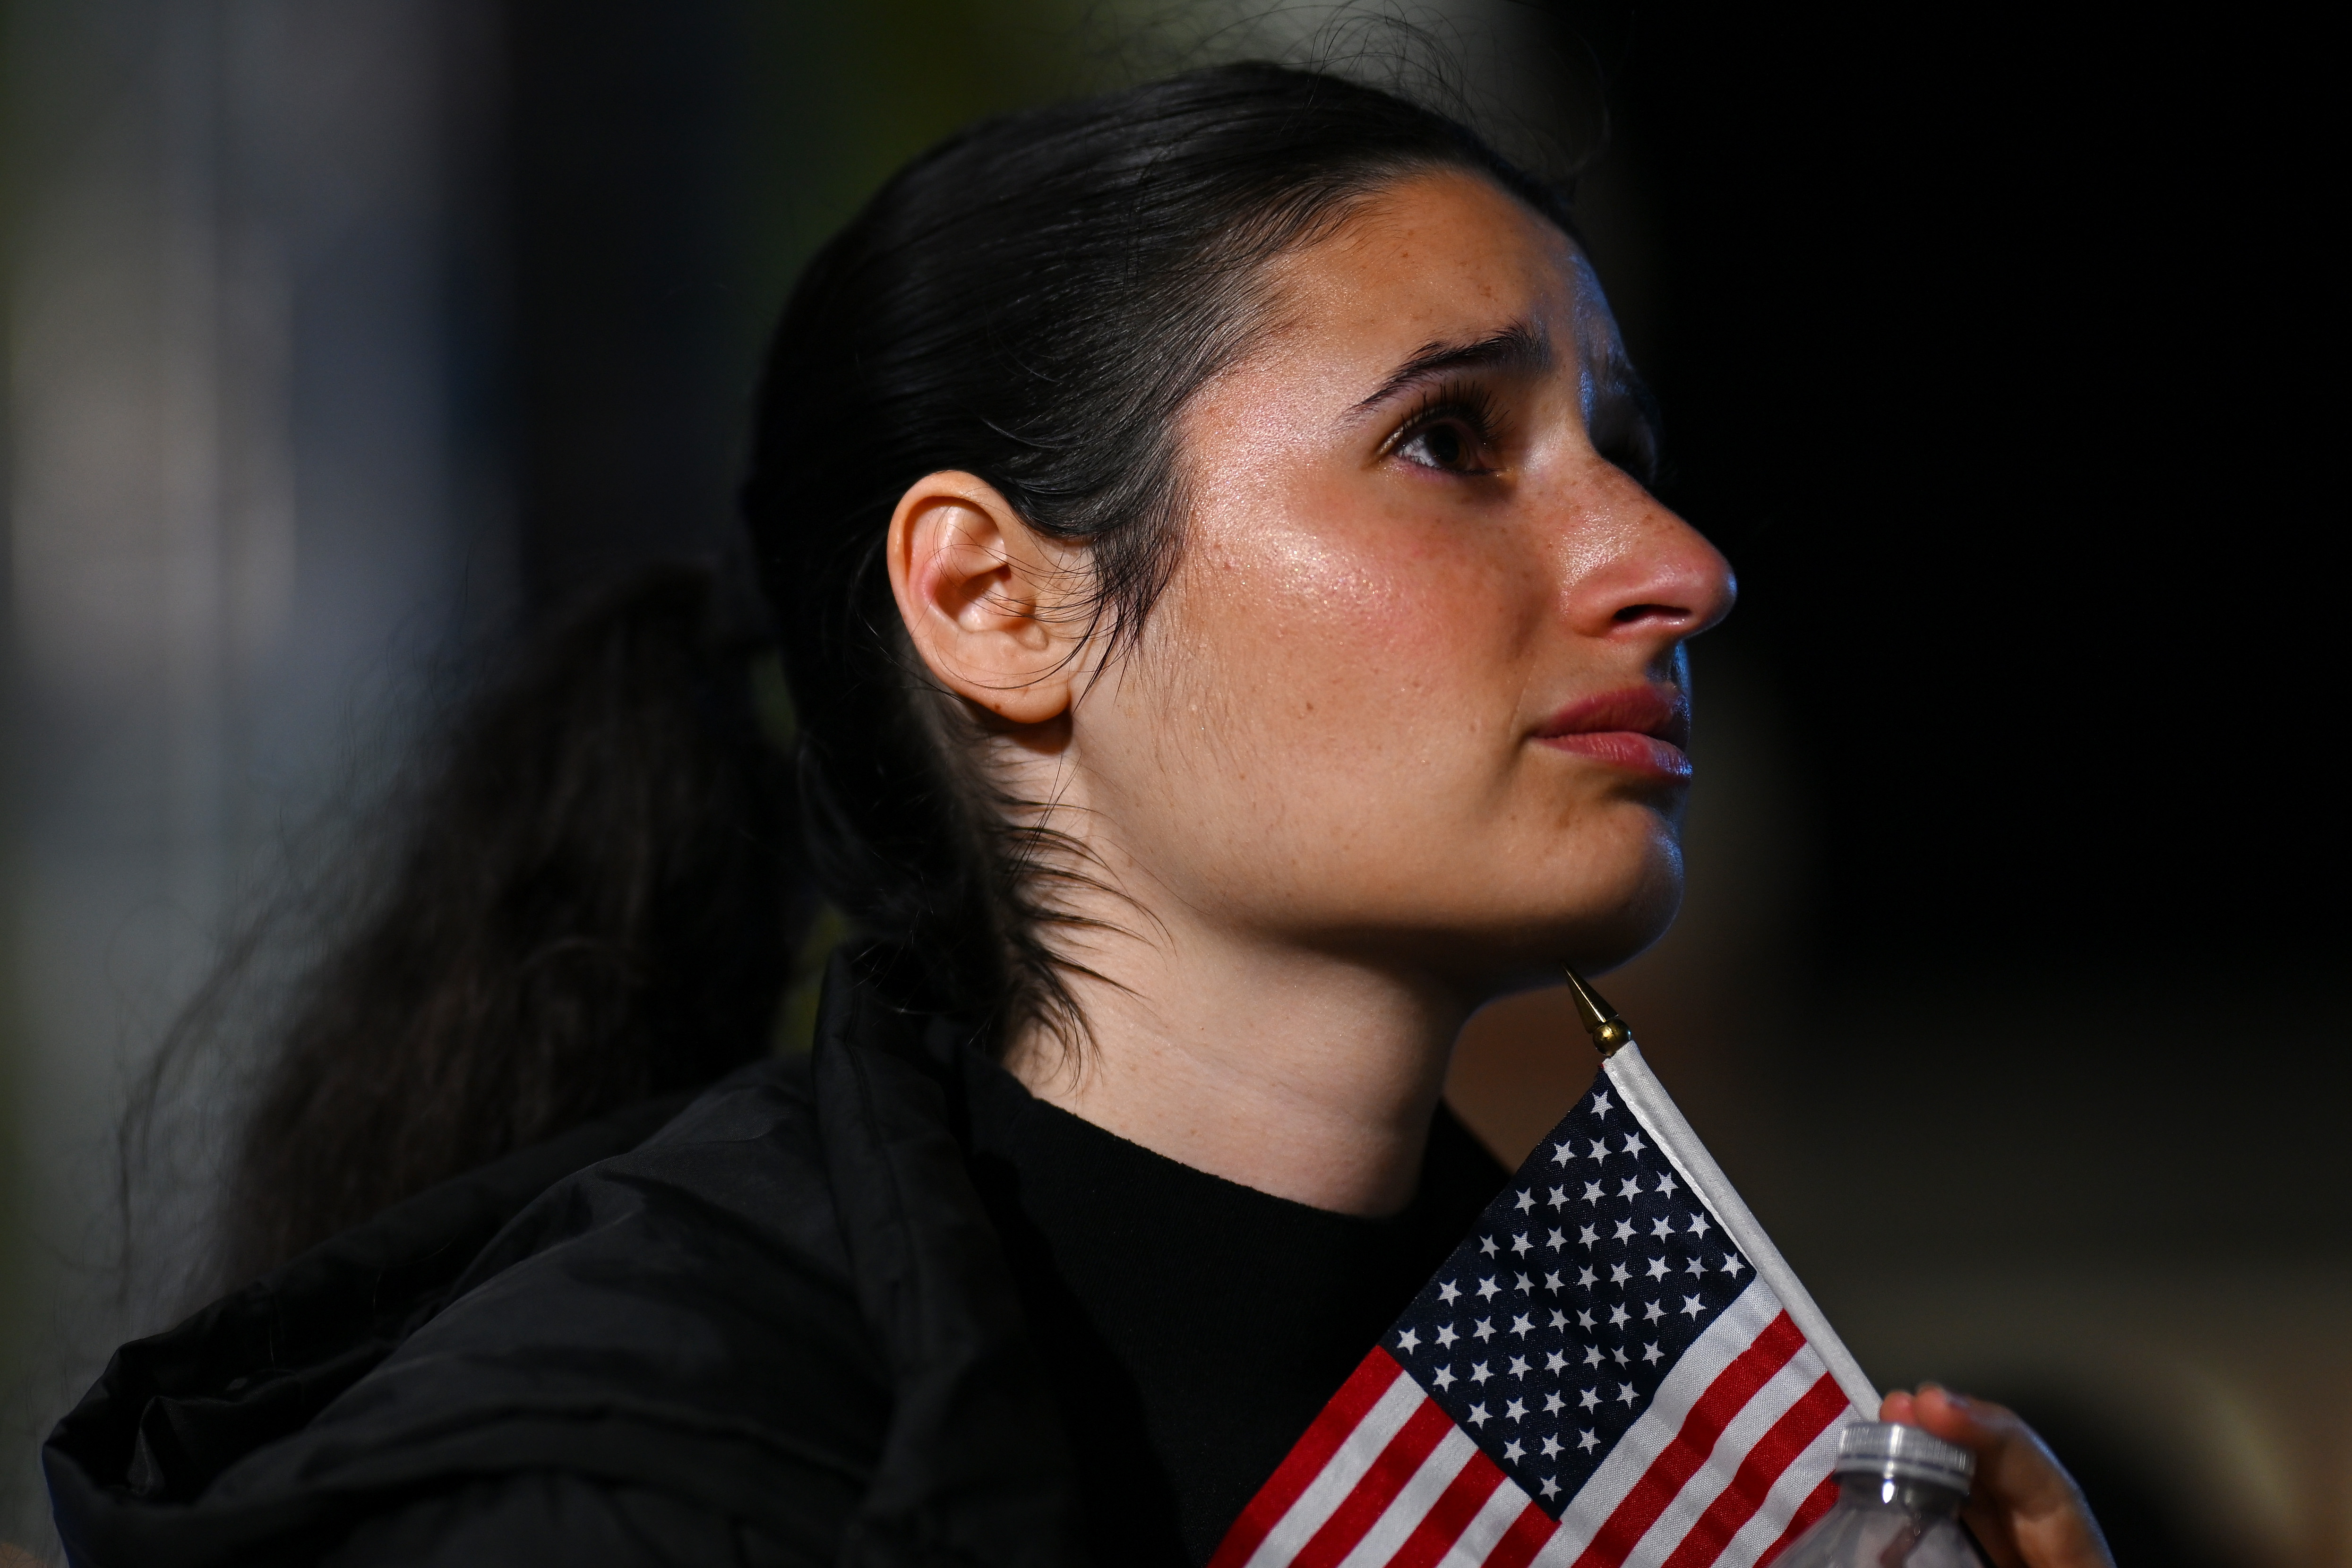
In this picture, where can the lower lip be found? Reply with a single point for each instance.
(1629, 751)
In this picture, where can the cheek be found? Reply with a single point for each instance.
(1361, 656)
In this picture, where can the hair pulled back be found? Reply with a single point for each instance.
(604, 884)
(1032, 302)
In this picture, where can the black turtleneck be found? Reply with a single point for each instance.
(1193, 1327)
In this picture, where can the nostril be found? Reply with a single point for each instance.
(1633, 612)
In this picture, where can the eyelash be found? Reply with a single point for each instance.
(1466, 402)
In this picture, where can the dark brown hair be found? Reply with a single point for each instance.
(590, 907)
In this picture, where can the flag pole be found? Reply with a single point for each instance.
(1647, 1099)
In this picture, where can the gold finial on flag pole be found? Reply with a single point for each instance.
(1600, 1021)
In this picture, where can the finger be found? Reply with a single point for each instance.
(2031, 1498)
(2010, 1460)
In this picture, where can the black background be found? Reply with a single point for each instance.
(1998, 354)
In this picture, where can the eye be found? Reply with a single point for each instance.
(1453, 432)
(1447, 445)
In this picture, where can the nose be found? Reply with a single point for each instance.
(1639, 573)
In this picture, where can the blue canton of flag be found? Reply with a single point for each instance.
(1552, 1326)
(1596, 1378)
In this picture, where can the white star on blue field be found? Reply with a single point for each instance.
(1547, 1331)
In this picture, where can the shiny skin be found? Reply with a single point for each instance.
(1325, 788)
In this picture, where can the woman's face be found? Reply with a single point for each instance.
(1418, 690)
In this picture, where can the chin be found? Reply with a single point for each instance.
(1593, 936)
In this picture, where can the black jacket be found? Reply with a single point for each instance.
(787, 1334)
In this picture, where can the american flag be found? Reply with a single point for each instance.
(1596, 1376)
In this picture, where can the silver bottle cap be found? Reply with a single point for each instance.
(1904, 1453)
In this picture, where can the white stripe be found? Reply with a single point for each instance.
(1652, 1106)
(1780, 1504)
(1487, 1527)
(1340, 1474)
(1744, 1431)
(1404, 1513)
(1686, 1385)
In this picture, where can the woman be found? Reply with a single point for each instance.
(1230, 640)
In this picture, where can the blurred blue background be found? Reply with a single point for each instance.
(345, 341)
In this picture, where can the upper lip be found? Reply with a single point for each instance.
(1654, 710)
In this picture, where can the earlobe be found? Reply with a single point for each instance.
(979, 591)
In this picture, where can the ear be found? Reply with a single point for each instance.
(985, 597)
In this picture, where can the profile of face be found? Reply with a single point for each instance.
(1416, 697)
(1406, 730)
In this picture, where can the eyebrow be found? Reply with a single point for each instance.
(1519, 347)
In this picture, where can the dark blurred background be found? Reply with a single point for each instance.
(344, 341)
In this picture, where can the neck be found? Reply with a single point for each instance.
(1306, 1074)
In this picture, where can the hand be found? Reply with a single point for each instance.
(2024, 1509)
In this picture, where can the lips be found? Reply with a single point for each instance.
(1640, 730)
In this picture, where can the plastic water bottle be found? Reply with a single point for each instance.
(1899, 1496)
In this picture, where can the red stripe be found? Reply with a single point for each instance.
(1523, 1539)
(1451, 1514)
(1307, 1457)
(1809, 1512)
(1377, 1488)
(1752, 1482)
(1750, 1370)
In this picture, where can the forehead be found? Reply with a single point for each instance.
(1440, 257)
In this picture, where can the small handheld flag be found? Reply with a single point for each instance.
(1616, 1367)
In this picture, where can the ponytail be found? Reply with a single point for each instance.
(596, 904)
